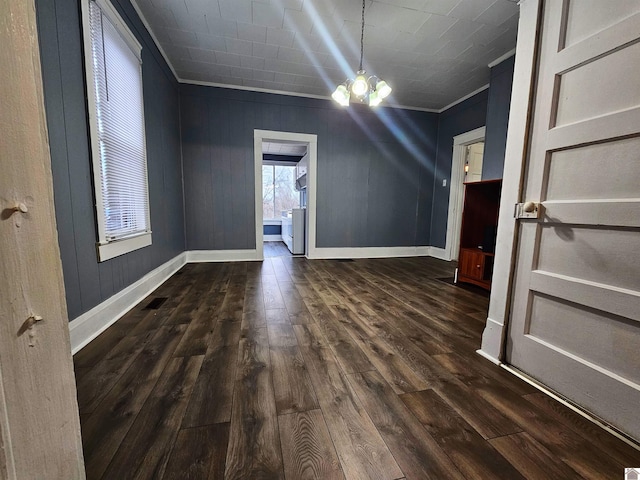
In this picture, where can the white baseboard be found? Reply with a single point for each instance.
(90, 324)
(488, 357)
(370, 252)
(197, 256)
(440, 253)
(492, 340)
(272, 238)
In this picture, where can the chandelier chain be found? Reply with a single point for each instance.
(362, 36)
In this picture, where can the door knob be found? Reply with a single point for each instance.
(528, 210)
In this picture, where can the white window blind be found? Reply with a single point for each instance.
(122, 200)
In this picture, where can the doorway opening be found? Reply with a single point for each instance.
(285, 171)
(466, 166)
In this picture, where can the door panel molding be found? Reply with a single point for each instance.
(607, 298)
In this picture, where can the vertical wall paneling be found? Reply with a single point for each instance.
(497, 119)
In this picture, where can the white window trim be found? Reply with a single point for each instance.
(107, 250)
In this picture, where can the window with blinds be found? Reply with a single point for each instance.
(114, 71)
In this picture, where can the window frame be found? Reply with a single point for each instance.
(108, 249)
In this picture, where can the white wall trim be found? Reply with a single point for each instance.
(272, 238)
(502, 58)
(371, 252)
(462, 99)
(456, 189)
(492, 340)
(199, 256)
(494, 336)
(439, 253)
(89, 325)
(488, 357)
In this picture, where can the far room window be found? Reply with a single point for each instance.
(278, 190)
(114, 76)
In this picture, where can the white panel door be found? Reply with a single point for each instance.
(575, 315)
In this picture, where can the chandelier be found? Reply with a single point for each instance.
(368, 90)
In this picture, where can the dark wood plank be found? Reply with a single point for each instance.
(212, 396)
(473, 456)
(254, 442)
(472, 370)
(104, 430)
(392, 367)
(274, 316)
(417, 453)
(351, 357)
(291, 383)
(145, 449)
(532, 459)
(622, 452)
(281, 335)
(292, 299)
(582, 455)
(362, 452)
(196, 338)
(483, 416)
(95, 384)
(198, 453)
(307, 448)
(100, 346)
(272, 296)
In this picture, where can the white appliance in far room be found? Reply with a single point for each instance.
(293, 230)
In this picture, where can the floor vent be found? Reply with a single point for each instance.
(344, 260)
(156, 303)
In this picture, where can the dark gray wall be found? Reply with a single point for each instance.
(375, 168)
(497, 119)
(88, 282)
(460, 118)
(271, 229)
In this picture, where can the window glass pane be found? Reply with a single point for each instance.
(278, 190)
(267, 192)
(286, 195)
(120, 131)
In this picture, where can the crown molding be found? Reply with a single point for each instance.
(502, 58)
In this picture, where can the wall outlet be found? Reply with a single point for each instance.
(444, 182)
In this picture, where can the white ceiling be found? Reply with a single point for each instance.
(293, 149)
(431, 52)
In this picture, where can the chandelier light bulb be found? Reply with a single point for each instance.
(341, 95)
(383, 89)
(360, 85)
(374, 99)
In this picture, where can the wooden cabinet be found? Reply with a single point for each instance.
(478, 233)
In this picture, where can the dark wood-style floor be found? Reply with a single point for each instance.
(275, 249)
(294, 369)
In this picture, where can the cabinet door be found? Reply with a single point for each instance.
(471, 264)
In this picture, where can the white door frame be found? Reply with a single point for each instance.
(310, 222)
(456, 189)
(494, 335)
